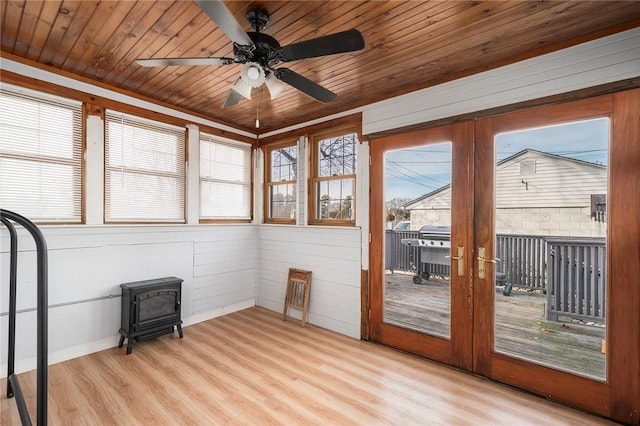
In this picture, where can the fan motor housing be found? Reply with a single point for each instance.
(258, 19)
(264, 53)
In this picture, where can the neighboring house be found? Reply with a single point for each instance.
(537, 194)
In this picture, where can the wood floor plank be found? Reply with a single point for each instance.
(252, 368)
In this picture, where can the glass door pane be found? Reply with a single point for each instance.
(417, 205)
(551, 222)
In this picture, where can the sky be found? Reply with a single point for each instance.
(411, 173)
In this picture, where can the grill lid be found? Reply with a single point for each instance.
(431, 232)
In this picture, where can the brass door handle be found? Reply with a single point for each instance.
(481, 262)
(460, 259)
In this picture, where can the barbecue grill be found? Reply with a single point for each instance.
(434, 243)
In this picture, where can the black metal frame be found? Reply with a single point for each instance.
(13, 385)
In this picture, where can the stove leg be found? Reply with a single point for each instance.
(179, 330)
(129, 345)
(121, 341)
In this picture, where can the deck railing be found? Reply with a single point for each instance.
(576, 275)
(523, 260)
(570, 270)
(397, 256)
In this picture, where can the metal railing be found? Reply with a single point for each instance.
(571, 270)
(397, 256)
(577, 278)
(523, 260)
(13, 384)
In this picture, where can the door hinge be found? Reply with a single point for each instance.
(369, 237)
(369, 159)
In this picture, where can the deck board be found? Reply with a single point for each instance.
(522, 328)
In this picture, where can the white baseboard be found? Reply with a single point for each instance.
(205, 316)
(66, 354)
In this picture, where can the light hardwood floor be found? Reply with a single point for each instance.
(251, 368)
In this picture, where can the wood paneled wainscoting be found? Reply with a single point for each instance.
(250, 367)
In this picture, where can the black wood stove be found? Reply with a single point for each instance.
(150, 308)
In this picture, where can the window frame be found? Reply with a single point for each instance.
(314, 178)
(77, 146)
(180, 174)
(213, 139)
(268, 183)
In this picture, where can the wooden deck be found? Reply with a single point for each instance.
(522, 329)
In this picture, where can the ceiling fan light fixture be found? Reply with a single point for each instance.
(274, 85)
(243, 88)
(253, 74)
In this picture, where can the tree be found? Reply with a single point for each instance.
(396, 211)
(324, 206)
(345, 211)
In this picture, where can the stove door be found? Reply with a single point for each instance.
(157, 308)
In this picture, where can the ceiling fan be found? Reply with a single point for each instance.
(259, 54)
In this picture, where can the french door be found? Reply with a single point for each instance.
(516, 260)
(440, 326)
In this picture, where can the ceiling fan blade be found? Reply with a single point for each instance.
(345, 41)
(240, 90)
(168, 62)
(225, 20)
(305, 85)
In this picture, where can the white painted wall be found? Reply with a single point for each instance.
(88, 263)
(302, 196)
(94, 176)
(332, 254)
(606, 60)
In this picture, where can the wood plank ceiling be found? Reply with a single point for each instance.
(409, 45)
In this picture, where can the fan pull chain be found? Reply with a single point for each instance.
(258, 107)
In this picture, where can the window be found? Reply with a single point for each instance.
(281, 182)
(40, 155)
(225, 179)
(144, 170)
(333, 178)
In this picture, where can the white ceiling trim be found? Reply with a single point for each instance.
(601, 61)
(40, 74)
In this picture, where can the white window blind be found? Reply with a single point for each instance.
(40, 155)
(144, 170)
(225, 179)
